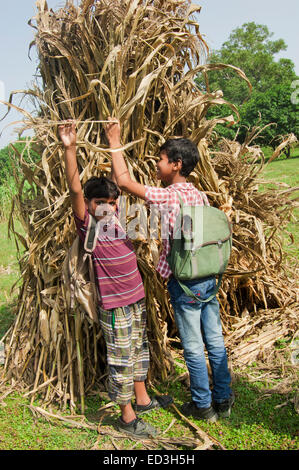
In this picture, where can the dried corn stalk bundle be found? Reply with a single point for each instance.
(135, 60)
(258, 261)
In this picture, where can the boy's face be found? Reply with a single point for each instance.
(100, 207)
(165, 169)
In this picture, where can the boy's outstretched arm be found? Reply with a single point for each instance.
(119, 166)
(68, 137)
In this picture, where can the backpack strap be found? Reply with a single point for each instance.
(196, 239)
(90, 239)
(89, 246)
(183, 286)
(191, 294)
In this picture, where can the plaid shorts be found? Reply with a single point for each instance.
(124, 330)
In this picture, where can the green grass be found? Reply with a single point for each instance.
(258, 421)
(20, 430)
(285, 171)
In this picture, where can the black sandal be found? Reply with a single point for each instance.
(159, 401)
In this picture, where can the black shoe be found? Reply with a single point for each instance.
(161, 401)
(224, 408)
(137, 428)
(207, 414)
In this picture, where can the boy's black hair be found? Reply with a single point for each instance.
(100, 187)
(184, 150)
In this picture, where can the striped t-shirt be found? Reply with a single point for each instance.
(115, 264)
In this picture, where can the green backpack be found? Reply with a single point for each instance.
(201, 245)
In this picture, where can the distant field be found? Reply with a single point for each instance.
(285, 171)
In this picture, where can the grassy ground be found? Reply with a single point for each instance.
(260, 419)
(285, 171)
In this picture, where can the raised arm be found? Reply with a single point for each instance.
(112, 175)
(68, 137)
(119, 166)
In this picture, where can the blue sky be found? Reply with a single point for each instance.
(217, 19)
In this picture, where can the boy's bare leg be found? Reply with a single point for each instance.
(142, 397)
(127, 413)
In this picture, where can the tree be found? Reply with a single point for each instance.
(251, 49)
(272, 106)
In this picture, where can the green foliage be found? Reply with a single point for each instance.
(11, 155)
(7, 317)
(11, 158)
(7, 190)
(251, 49)
(9, 275)
(272, 106)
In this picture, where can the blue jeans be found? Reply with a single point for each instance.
(199, 325)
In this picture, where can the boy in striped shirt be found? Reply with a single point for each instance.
(122, 311)
(198, 323)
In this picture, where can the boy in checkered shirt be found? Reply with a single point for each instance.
(198, 323)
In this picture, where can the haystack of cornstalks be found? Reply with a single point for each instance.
(137, 61)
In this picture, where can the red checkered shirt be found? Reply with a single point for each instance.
(167, 201)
